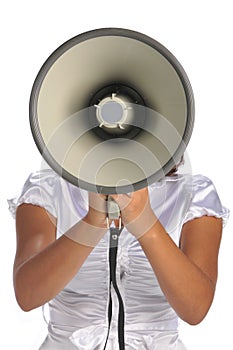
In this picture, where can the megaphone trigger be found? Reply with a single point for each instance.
(113, 211)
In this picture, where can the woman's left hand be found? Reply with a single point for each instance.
(136, 212)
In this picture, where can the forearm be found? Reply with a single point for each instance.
(41, 277)
(188, 290)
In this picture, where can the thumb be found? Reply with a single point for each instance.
(122, 200)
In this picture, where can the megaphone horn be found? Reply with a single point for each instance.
(111, 110)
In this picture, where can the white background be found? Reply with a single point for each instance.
(199, 34)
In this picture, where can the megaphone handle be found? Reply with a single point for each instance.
(113, 211)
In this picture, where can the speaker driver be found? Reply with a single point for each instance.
(115, 113)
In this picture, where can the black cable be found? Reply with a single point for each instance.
(114, 237)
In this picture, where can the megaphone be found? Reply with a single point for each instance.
(111, 110)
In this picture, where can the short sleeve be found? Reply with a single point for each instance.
(205, 201)
(39, 189)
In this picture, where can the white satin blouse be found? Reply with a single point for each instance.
(79, 313)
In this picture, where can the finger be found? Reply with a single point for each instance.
(97, 201)
(122, 200)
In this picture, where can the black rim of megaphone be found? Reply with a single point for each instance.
(77, 40)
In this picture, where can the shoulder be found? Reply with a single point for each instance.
(39, 189)
(190, 183)
(203, 188)
(205, 199)
(41, 178)
(200, 180)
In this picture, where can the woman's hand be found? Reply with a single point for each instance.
(97, 213)
(93, 226)
(136, 212)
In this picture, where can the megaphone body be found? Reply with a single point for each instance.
(111, 111)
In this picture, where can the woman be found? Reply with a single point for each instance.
(166, 262)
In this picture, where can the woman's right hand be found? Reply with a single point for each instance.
(97, 213)
(92, 227)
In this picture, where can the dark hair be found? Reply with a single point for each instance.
(174, 170)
